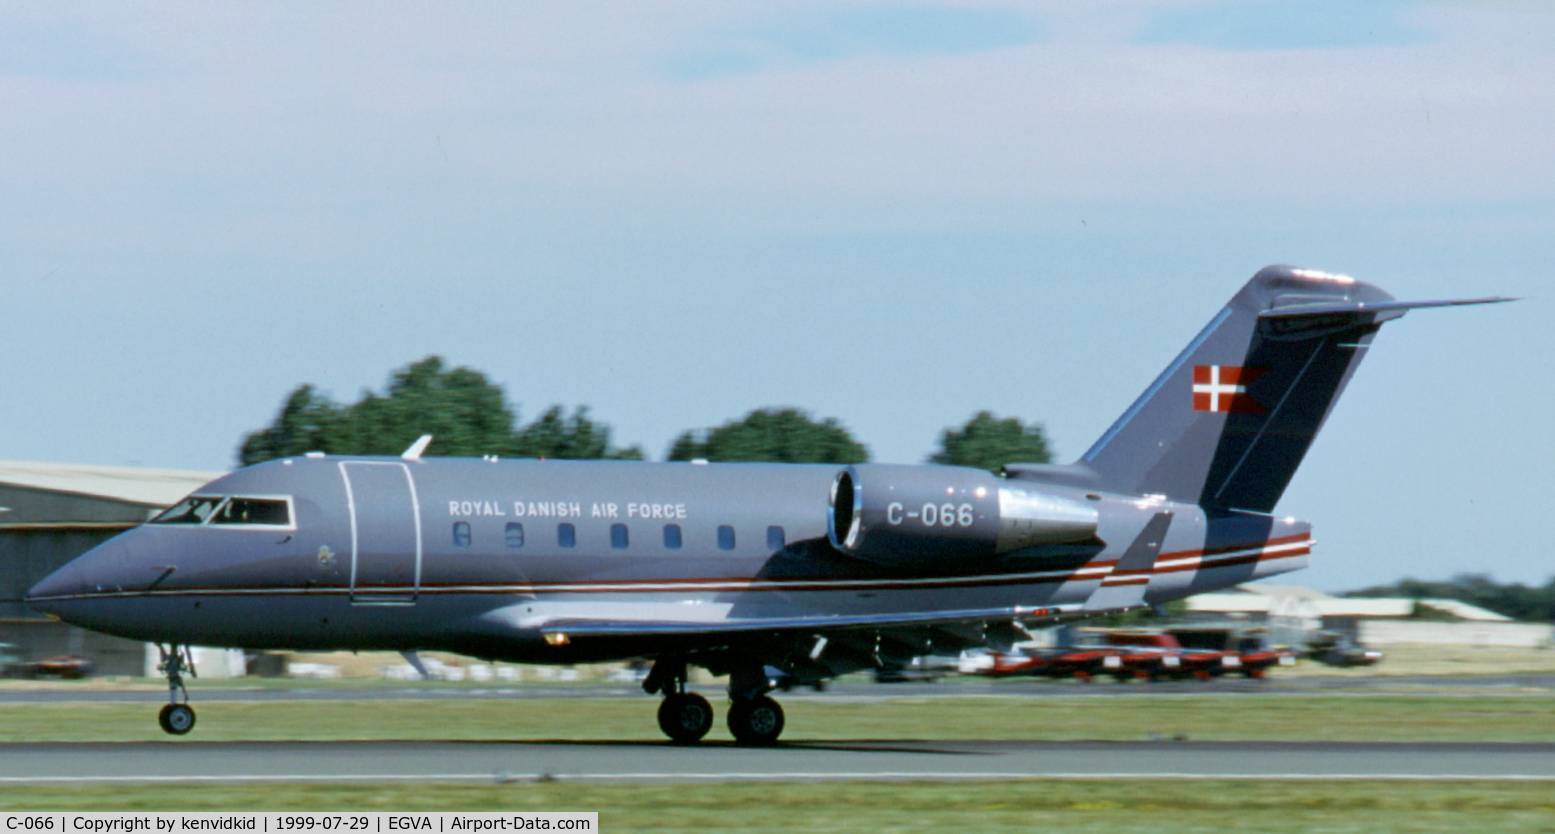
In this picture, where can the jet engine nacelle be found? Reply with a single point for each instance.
(915, 516)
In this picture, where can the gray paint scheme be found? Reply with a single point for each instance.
(385, 553)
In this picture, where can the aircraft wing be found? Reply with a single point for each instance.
(815, 647)
(810, 624)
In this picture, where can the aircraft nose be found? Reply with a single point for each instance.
(63, 593)
(55, 590)
(98, 589)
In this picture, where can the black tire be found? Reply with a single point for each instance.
(756, 722)
(176, 719)
(685, 717)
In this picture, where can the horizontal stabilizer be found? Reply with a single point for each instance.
(1358, 308)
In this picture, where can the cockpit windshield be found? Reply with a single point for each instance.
(267, 511)
(192, 510)
(253, 511)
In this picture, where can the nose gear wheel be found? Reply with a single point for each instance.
(176, 717)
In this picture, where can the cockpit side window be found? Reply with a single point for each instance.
(270, 512)
(192, 510)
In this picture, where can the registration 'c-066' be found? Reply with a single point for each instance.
(947, 514)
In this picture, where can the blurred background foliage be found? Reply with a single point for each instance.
(464, 412)
(467, 414)
(783, 435)
(988, 442)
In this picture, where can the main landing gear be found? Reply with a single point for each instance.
(755, 721)
(176, 717)
(686, 717)
(683, 716)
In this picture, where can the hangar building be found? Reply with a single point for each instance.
(1291, 612)
(51, 513)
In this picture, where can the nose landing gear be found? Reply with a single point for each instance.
(176, 717)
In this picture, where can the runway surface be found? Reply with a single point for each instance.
(840, 690)
(503, 761)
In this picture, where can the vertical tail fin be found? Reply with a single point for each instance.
(1229, 420)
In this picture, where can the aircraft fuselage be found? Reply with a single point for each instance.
(477, 555)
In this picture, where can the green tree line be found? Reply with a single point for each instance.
(469, 415)
(1534, 603)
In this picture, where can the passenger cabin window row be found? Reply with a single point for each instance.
(513, 536)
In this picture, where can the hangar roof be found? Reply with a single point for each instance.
(134, 485)
(1295, 600)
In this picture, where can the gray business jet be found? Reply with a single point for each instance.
(754, 571)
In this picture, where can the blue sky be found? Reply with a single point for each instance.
(895, 215)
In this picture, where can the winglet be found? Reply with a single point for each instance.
(415, 450)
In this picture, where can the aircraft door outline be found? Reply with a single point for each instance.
(386, 554)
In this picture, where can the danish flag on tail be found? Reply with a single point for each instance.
(1224, 388)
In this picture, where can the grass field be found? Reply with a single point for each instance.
(1477, 717)
(1091, 806)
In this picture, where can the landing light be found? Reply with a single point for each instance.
(557, 639)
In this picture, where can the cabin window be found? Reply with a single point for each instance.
(566, 535)
(618, 536)
(775, 538)
(513, 534)
(272, 512)
(725, 537)
(672, 536)
(192, 510)
(461, 534)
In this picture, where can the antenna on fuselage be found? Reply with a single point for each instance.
(415, 450)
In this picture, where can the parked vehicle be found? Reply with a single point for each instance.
(65, 666)
(1336, 649)
(1147, 655)
(1152, 655)
(1247, 650)
(61, 666)
(1082, 663)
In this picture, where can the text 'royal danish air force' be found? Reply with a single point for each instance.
(479, 508)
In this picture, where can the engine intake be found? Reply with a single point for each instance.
(917, 516)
